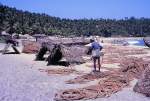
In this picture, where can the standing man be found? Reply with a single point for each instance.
(96, 53)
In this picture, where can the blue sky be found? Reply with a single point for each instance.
(76, 9)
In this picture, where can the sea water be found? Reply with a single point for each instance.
(137, 42)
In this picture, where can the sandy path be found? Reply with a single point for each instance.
(19, 82)
(20, 79)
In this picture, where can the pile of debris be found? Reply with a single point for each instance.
(143, 84)
(30, 47)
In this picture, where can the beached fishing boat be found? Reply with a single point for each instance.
(147, 41)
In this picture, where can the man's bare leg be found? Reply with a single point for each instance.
(99, 64)
(94, 63)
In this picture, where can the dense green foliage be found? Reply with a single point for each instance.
(24, 22)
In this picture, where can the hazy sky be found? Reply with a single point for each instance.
(76, 9)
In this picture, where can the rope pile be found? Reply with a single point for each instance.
(122, 50)
(58, 71)
(109, 83)
(114, 54)
(87, 77)
(104, 88)
(133, 67)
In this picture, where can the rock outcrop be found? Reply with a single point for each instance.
(143, 85)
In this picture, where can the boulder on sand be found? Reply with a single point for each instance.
(55, 55)
(143, 84)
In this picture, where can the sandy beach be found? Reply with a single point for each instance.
(21, 80)
(63, 50)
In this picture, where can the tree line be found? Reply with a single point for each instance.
(24, 22)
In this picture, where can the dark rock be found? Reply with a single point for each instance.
(143, 84)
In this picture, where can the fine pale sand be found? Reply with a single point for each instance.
(21, 80)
